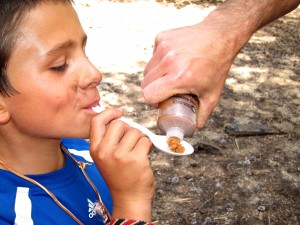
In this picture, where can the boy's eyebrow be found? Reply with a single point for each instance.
(64, 45)
(60, 47)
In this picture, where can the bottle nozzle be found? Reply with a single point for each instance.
(175, 132)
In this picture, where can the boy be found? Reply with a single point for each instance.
(47, 91)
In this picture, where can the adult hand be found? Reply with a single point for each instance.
(193, 59)
(196, 59)
(121, 155)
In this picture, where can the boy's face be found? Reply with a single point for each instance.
(55, 80)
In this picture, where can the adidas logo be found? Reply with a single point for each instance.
(96, 208)
(92, 208)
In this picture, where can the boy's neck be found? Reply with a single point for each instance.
(38, 157)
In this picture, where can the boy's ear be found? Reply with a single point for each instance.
(4, 114)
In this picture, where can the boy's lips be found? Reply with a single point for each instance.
(92, 105)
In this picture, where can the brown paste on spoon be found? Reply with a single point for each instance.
(175, 145)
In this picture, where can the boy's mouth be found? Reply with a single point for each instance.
(97, 108)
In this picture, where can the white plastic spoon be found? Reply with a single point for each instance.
(159, 141)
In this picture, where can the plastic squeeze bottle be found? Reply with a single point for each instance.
(177, 118)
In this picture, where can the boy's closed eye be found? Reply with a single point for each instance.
(59, 68)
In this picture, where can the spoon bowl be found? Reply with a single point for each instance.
(159, 141)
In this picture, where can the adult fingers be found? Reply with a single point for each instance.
(156, 68)
(156, 72)
(206, 107)
(158, 52)
(161, 89)
(151, 68)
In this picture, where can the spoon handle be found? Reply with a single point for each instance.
(141, 128)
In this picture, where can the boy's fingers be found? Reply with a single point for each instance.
(115, 133)
(140, 146)
(99, 123)
(130, 140)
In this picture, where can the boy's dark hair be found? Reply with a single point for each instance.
(12, 13)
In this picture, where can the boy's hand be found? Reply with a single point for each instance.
(121, 155)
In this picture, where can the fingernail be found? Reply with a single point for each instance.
(120, 109)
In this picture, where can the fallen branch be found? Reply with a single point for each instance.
(250, 130)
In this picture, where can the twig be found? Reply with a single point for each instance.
(250, 130)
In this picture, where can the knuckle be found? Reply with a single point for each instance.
(135, 132)
(160, 37)
(97, 154)
(169, 56)
(163, 47)
(118, 157)
(146, 141)
(116, 123)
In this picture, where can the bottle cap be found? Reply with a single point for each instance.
(175, 132)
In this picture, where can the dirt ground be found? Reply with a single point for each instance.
(231, 178)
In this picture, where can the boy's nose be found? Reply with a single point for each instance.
(90, 77)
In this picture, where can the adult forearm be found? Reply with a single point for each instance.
(238, 20)
(257, 13)
(270, 10)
